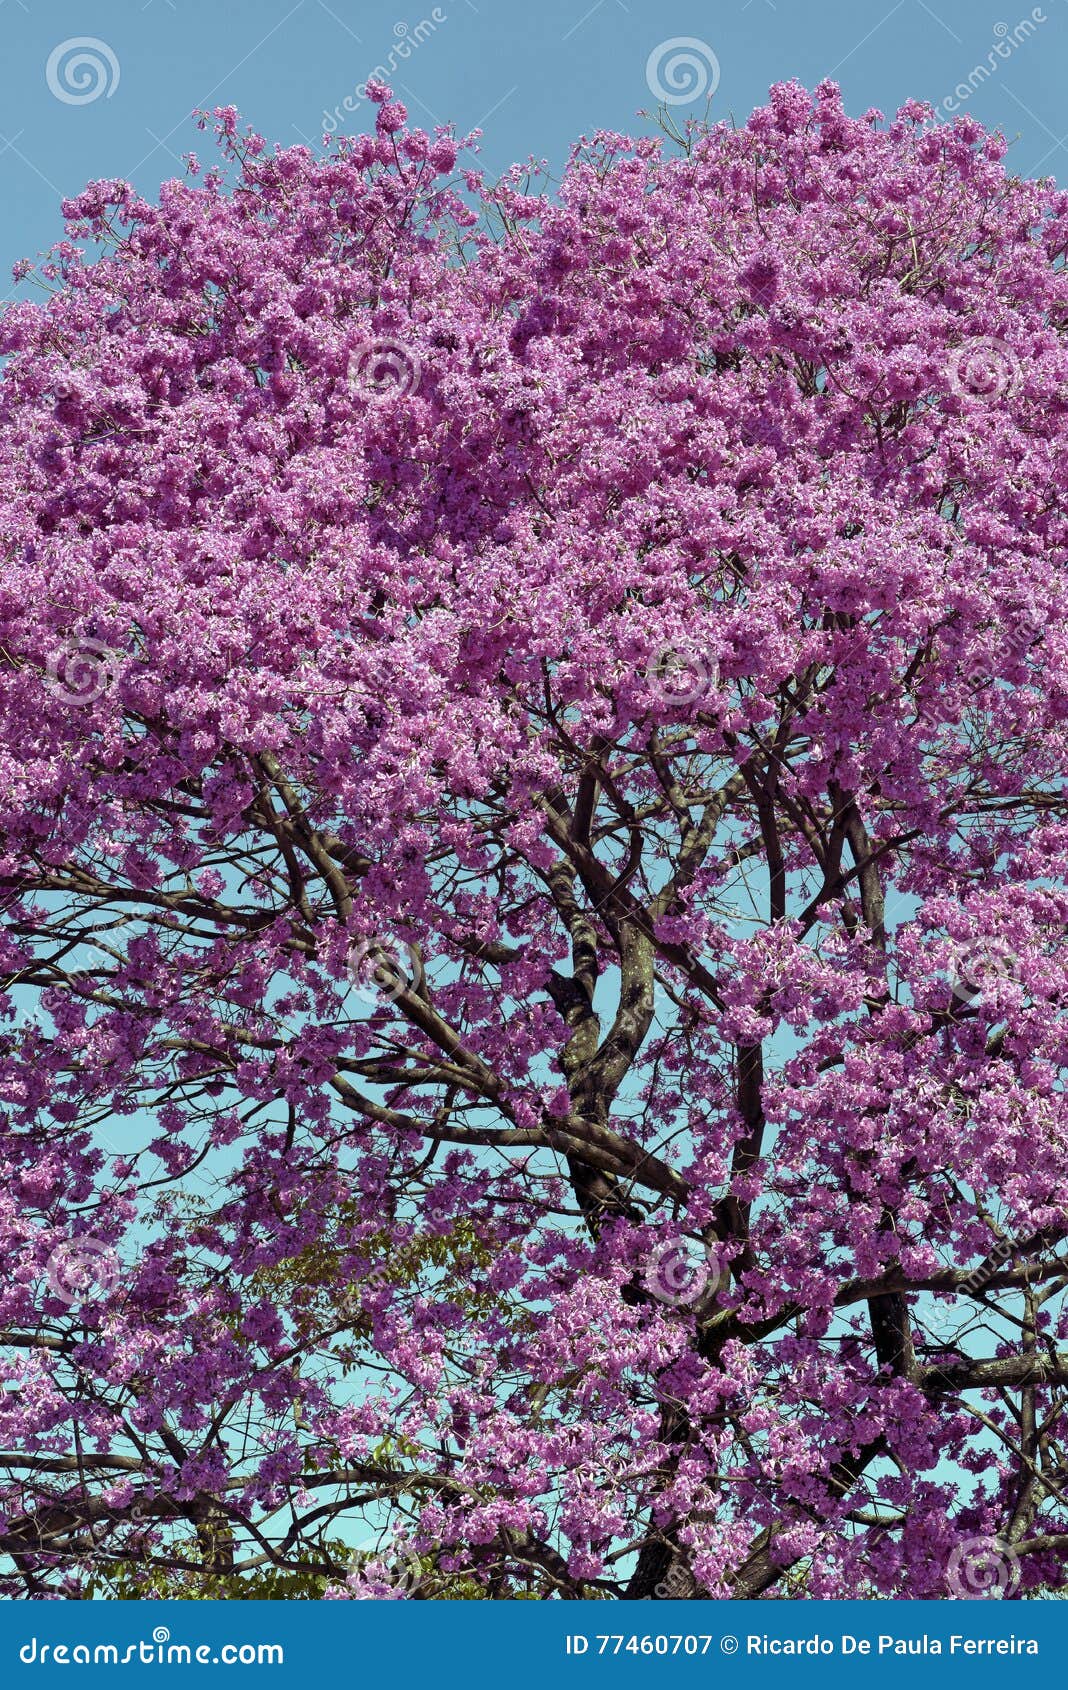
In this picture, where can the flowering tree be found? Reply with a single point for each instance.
(533, 864)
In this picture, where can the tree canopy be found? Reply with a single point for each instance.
(533, 854)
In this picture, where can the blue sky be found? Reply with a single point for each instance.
(531, 75)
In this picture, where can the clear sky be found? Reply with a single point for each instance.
(532, 75)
